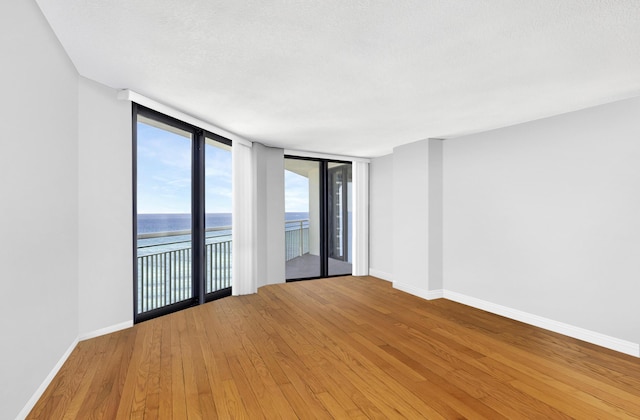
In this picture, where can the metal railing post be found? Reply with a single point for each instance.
(301, 240)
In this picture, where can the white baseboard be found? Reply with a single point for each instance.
(380, 274)
(589, 336)
(43, 387)
(592, 337)
(424, 294)
(106, 330)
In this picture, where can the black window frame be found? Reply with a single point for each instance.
(324, 215)
(198, 260)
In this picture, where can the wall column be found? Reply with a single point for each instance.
(269, 193)
(417, 218)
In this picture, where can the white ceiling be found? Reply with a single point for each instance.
(357, 77)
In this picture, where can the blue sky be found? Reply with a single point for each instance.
(164, 176)
(164, 173)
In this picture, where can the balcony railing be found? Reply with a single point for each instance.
(164, 262)
(296, 238)
(164, 266)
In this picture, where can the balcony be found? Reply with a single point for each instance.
(164, 263)
(164, 266)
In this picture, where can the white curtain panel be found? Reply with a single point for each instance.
(360, 216)
(243, 271)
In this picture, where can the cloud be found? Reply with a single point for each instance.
(296, 192)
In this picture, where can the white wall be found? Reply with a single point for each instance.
(544, 217)
(381, 217)
(436, 259)
(38, 203)
(417, 218)
(411, 217)
(105, 199)
(269, 184)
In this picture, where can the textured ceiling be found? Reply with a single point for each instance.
(357, 77)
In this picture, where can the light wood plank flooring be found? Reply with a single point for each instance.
(348, 347)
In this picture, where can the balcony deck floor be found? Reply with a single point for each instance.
(308, 265)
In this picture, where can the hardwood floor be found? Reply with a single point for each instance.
(348, 347)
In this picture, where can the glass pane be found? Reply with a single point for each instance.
(217, 183)
(164, 215)
(339, 218)
(302, 218)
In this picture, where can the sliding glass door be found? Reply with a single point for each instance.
(302, 219)
(317, 218)
(182, 205)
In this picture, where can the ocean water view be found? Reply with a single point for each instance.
(167, 225)
(156, 223)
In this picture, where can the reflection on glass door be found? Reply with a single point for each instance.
(302, 218)
(339, 218)
(317, 218)
(163, 215)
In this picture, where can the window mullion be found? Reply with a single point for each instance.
(198, 217)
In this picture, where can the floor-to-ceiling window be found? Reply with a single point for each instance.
(317, 218)
(182, 196)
